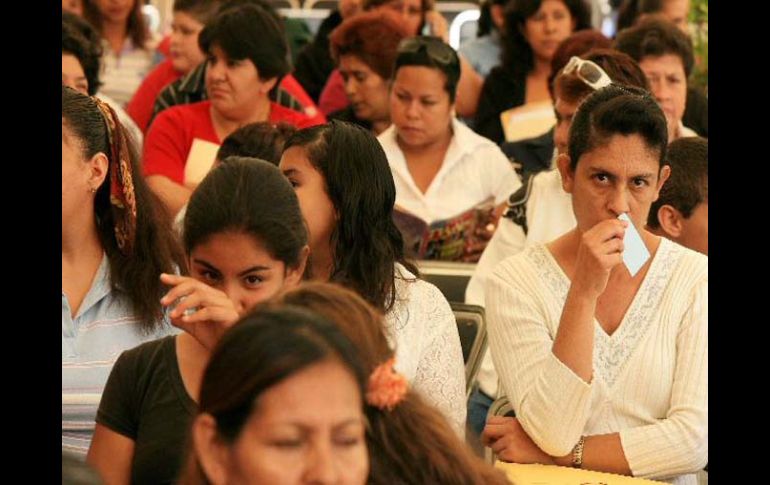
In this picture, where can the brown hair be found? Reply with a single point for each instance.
(156, 248)
(413, 442)
(576, 44)
(621, 68)
(137, 28)
(372, 37)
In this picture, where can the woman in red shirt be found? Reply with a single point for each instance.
(247, 56)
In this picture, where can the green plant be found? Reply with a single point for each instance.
(699, 22)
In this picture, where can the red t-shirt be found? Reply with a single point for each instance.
(141, 104)
(333, 97)
(164, 47)
(171, 135)
(293, 87)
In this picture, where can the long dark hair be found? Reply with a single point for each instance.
(156, 248)
(517, 54)
(261, 350)
(413, 442)
(137, 27)
(251, 196)
(366, 243)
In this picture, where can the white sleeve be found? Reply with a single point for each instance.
(501, 178)
(678, 444)
(551, 402)
(440, 377)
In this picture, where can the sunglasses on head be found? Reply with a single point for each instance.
(589, 72)
(435, 48)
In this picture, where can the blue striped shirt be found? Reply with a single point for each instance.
(90, 344)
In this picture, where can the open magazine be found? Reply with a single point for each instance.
(447, 239)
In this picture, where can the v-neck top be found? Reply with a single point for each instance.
(145, 400)
(650, 377)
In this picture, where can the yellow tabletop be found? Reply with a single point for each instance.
(559, 475)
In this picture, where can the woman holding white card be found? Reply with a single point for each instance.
(606, 369)
(246, 51)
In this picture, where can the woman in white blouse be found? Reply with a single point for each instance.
(346, 194)
(441, 167)
(606, 367)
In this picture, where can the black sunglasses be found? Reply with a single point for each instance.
(436, 49)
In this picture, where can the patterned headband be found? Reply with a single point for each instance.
(122, 198)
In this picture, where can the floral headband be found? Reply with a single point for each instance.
(122, 198)
(386, 387)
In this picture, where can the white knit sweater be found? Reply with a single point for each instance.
(650, 377)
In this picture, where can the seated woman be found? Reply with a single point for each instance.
(409, 441)
(239, 254)
(115, 242)
(416, 17)
(346, 193)
(129, 47)
(81, 52)
(665, 55)
(603, 354)
(441, 167)
(184, 54)
(314, 63)
(191, 88)
(281, 402)
(540, 210)
(533, 31)
(246, 57)
(364, 47)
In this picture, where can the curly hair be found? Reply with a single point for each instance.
(372, 37)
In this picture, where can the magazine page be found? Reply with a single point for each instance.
(527, 121)
(446, 239)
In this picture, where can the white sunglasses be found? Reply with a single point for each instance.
(589, 72)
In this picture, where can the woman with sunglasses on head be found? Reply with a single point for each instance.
(346, 191)
(540, 210)
(115, 242)
(239, 254)
(441, 167)
(600, 337)
(533, 31)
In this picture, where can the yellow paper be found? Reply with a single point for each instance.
(558, 475)
(527, 121)
(199, 161)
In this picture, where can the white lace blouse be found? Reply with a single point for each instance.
(422, 328)
(650, 379)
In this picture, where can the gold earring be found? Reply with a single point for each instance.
(93, 190)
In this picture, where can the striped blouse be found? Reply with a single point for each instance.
(90, 344)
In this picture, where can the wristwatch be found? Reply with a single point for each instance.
(577, 453)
